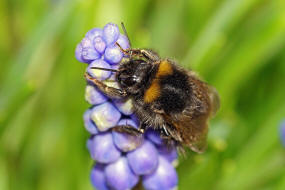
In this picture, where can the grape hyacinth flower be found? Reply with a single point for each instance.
(122, 160)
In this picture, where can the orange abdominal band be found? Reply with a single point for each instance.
(153, 92)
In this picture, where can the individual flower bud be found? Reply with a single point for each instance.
(97, 73)
(144, 159)
(123, 42)
(125, 106)
(168, 151)
(88, 123)
(111, 33)
(99, 44)
(88, 52)
(102, 148)
(93, 33)
(105, 116)
(119, 176)
(93, 96)
(164, 177)
(126, 142)
(98, 177)
(113, 54)
(78, 53)
(154, 136)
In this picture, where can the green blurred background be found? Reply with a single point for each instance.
(236, 45)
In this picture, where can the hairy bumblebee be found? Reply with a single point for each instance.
(165, 97)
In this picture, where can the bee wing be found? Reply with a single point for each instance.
(194, 132)
(214, 100)
(192, 125)
(191, 132)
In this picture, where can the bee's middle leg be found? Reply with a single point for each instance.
(127, 129)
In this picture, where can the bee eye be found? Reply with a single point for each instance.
(129, 81)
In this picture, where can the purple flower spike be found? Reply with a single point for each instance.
(126, 142)
(144, 159)
(91, 34)
(119, 176)
(121, 159)
(98, 177)
(111, 33)
(97, 73)
(164, 177)
(89, 124)
(282, 133)
(113, 54)
(105, 116)
(102, 148)
(93, 96)
(99, 44)
(123, 41)
(154, 136)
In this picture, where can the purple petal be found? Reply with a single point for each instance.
(97, 73)
(119, 175)
(86, 43)
(123, 41)
(154, 136)
(88, 51)
(94, 96)
(113, 54)
(93, 33)
(102, 148)
(78, 53)
(168, 152)
(105, 116)
(126, 142)
(164, 177)
(124, 106)
(135, 119)
(98, 177)
(99, 44)
(144, 159)
(111, 33)
(90, 54)
(128, 122)
(88, 123)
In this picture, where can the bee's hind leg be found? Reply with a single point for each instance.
(109, 91)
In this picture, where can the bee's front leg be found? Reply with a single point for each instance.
(109, 91)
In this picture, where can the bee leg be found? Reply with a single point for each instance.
(127, 129)
(142, 127)
(149, 54)
(109, 91)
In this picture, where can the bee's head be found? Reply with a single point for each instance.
(133, 74)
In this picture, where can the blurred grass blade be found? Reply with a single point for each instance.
(17, 84)
(228, 15)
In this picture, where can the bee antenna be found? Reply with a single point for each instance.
(122, 49)
(104, 69)
(125, 32)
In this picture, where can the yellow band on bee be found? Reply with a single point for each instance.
(152, 92)
(164, 68)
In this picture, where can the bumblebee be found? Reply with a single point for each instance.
(165, 97)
